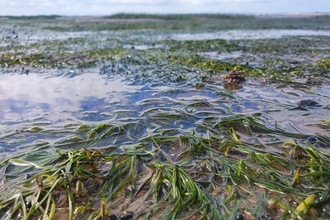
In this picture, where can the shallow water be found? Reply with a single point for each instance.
(249, 34)
(28, 96)
(52, 101)
(280, 106)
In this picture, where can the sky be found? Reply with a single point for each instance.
(108, 7)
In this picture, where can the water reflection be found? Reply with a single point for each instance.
(248, 34)
(52, 101)
(28, 96)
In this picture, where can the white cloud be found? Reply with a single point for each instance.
(12, 3)
(106, 7)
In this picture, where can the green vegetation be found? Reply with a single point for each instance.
(215, 175)
(171, 158)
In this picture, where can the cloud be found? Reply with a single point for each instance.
(72, 3)
(106, 7)
(12, 3)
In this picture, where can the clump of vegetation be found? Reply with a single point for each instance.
(324, 64)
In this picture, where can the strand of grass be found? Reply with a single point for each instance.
(19, 170)
(72, 141)
(109, 129)
(45, 216)
(53, 210)
(36, 205)
(70, 201)
(247, 170)
(281, 160)
(162, 152)
(18, 162)
(121, 173)
(16, 206)
(24, 208)
(182, 191)
(130, 176)
(255, 125)
(151, 111)
(195, 197)
(49, 181)
(72, 158)
(24, 153)
(272, 173)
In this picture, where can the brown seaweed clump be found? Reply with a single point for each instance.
(234, 77)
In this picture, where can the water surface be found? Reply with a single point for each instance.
(249, 34)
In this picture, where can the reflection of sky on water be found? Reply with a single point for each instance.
(249, 34)
(30, 96)
(55, 101)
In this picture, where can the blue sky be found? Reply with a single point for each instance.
(107, 7)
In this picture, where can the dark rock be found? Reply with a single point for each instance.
(127, 215)
(308, 102)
